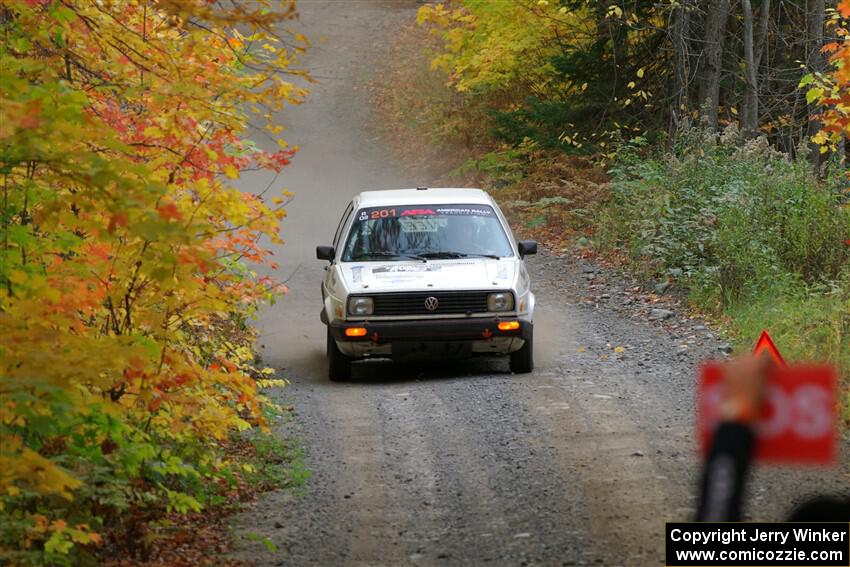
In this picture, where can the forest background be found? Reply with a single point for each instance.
(698, 144)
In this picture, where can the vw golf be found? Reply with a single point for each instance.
(426, 273)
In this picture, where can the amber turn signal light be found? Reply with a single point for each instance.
(355, 332)
(509, 325)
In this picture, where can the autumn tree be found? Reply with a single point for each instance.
(828, 88)
(125, 281)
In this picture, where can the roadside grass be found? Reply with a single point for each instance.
(276, 461)
(752, 236)
(808, 325)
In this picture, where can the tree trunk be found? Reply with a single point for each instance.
(681, 30)
(715, 35)
(754, 46)
(761, 38)
(815, 62)
(749, 120)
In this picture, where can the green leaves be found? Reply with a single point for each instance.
(814, 94)
(537, 221)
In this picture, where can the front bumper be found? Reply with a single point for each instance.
(430, 330)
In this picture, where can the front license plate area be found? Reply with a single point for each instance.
(409, 350)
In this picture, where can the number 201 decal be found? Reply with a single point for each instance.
(383, 214)
(377, 214)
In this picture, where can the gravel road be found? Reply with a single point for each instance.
(579, 463)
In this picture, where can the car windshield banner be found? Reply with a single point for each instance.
(406, 211)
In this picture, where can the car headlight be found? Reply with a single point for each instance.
(360, 306)
(503, 301)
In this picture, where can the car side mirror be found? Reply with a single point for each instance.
(325, 253)
(526, 247)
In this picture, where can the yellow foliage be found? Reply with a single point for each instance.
(489, 45)
(125, 251)
(21, 467)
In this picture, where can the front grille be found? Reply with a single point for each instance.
(448, 303)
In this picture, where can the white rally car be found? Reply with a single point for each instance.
(431, 273)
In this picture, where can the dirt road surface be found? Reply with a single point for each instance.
(579, 463)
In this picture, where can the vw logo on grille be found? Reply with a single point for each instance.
(431, 303)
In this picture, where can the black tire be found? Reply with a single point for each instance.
(522, 361)
(339, 365)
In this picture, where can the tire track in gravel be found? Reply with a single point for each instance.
(602, 449)
(361, 471)
(504, 485)
(418, 479)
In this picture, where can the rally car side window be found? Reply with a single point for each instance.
(342, 223)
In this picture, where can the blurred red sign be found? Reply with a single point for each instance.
(765, 343)
(798, 420)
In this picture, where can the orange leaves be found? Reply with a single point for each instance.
(31, 118)
(831, 90)
(156, 401)
(40, 523)
(169, 211)
(223, 363)
(117, 220)
(100, 251)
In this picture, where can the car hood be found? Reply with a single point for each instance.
(483, 273)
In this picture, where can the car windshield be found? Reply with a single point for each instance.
(425, 232)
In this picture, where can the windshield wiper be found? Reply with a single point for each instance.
(365, 255)
(452, 255)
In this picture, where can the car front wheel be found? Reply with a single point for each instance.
(339, 365)
(522, 361)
